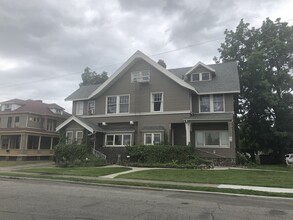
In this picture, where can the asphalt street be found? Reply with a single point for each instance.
(37, 199)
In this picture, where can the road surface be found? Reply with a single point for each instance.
(37, 199)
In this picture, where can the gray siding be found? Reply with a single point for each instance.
(176, 98)
(21, 124)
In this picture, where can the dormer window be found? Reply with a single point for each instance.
(200, 77)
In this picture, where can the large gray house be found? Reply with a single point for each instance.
(144, 103)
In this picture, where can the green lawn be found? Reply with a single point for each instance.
(237, 177)
(271, 167)
(77, 171)
(5, 163)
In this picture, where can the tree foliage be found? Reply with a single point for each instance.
(90, 77)
(265, 60)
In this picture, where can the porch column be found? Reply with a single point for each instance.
(39, 145)
(23, 141)
(230, 132)
(187, 131)
(51, 145)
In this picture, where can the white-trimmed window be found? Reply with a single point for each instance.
(117, 104)
(152, 138)
(79, 137)
(79, 108)
(69, 137)
(118, 140)
(212, 139)
(211, 103)
(91, 107)
(205, 76)
(157, 102)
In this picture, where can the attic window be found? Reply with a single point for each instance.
(200, 77)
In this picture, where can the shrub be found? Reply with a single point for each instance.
(75, 155)
(164, 156)
(241, 159)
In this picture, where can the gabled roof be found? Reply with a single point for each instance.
(226, 79)
(138, 55)
(197, 65)
(91, 127)
(34, 106)
(82, 93)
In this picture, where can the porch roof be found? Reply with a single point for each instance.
(227, 116)
(90, 126)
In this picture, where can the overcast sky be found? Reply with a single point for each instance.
(45, 45)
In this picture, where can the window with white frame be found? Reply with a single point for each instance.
(156, 102)
(211, 139)
(140, 76)
(79, 108)
(69, 137)
(119, 140)
(118, 104)
(200, 76)
(79, 137)
(152, 138)
(91, 107)
(211, 103)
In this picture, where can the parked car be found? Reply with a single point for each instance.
(289, 159)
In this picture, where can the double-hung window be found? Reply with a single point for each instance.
(152, 138)
(79, 108)
(157, 102)
(69, 137)
(211, 139)
(119, 140)
(91, 107)
(211, 103)
(79, 137)
(117, 104)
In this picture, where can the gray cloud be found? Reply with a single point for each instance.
(46, 44)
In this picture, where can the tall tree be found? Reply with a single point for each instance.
(265, 60)
(90, 77)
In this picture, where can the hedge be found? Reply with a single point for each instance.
(75, 155)
(170, 156)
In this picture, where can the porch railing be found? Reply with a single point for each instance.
(98, 153)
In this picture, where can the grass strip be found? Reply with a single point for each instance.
(18, 163)
(77, 171)
(148, 185)
(234, 177)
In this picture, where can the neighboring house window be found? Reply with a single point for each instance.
(79, 137)
(51, 125)
(152, 138)
(79, 108)
(211, 139)
(200, 77)
(16, 122)
(157, 102)
(91, 107)
(117, 104)
(9, 122)
(118, 140)
(69, 137)
(211, 103)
